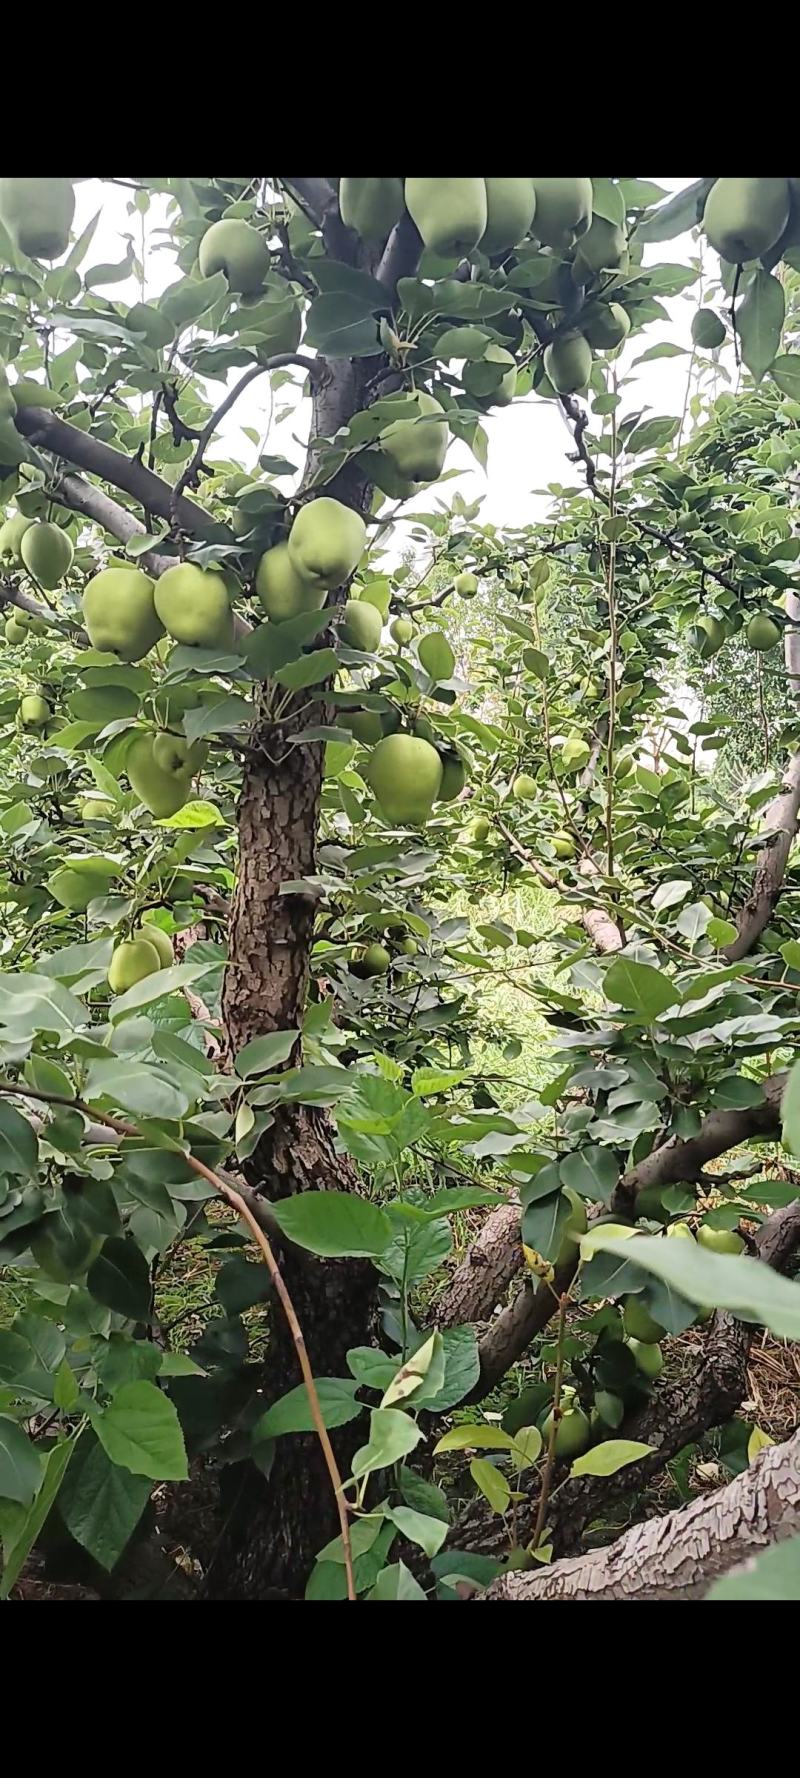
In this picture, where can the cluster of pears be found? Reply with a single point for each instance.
(38, 215)
(324, 547)
(746, 219)
(126, 613)
(42, 549)
(454, 216)
(376, 958)
(21, 624)
(160, 767)
(148, 949)
(709, 634)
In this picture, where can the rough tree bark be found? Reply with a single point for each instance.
(679, 1556)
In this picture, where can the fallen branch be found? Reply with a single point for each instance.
(680, 1555)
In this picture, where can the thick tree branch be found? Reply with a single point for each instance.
(317, 197)
(94, 504)
(401, 255)
(50, 433)
(682, 1159)
(678, 1556)
(12, 595)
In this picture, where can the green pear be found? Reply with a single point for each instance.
(762, 632)
(465, 585)
(15, 631)
(510, 205)
(639, 1323)
(361, 626)
(38, 215)
(568, 362)
(163, 792)
(160, 941)
(120, 614)
(97, 808)
(573, 1434)
(327, 541)
(371, 206)
(131, 962)
(402, 631)
(454, 777)
(365, 726)
(34, 712)
(285, 592)
(379, 594)
(451, 214)
(478, 829)
(11, 535)
(709, 635)
(416, 442)
(409, 947)
(563, 845)
(603, 248)
(492, 378)
(719, 1240)
(649, 1357)
(238, 250)
(405, 775)
(193, 605)
(606, 326)
(158, 330)
(563, 210)
(376, 960)
(173, 753)
(47, 554)
(524, 788)
(708, 330)
(743, 218)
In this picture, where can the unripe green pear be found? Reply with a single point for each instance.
(365, 725)
(47, 554)
(492, 378)
(11, 535)
(762, 632)
(606, 326)
(744, 218)
(377, 960)
(405, 776)
(193, 605)
(283, 591)
(15, 631)
(327, 541)
(402, 631)
(649, 1358)
(479, 829)
(34, 712)
(130, 963)
(576, 1226)
(510, 204)
(573, 1434)
(163, 792)
(603, 247)
(120, 614)
(563, 845)
(361, 626)
(524, 788)
(173, 753)
(563, 210)
(465, 584)
(371, 206)
(38, 215)
(568, 362)
(97, 808)
(235, 248)
(416, 442)
(454, 777)
(719, 1240)
(710, 634)
(158, 330)
(379, 594)
(160, 941)
(451, 214)
(708, 330)
(409, 947)
(639, 1323)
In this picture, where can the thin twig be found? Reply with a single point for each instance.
(189, 475)
(547, 1478)
(237, 1203)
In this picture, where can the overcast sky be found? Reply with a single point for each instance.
(528, 442)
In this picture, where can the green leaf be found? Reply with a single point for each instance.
(100, 1503)
(21, 1529)
(392, 1435)
(19, 1149)
(334, 1224)
(138, 1087)
(423, 1497)
(681, 213)
(719, 1280)
(773, 1574)
(786, 373)
(419, 1528)
(20, 1468)
(397, 1583)
(494, 1486)
(413, 1371)
(155, 987)
(262, 1054)
(425, 1081)
(293, 1412)
(310, 669)
(612, 1455)
(461, 1370)
(477, 1436)
(639, 988)
(212, 719)
(141, 1432)
(593, 1172)
(120, 1279)
(759, 322)
(342, 325)
(240, 1284)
